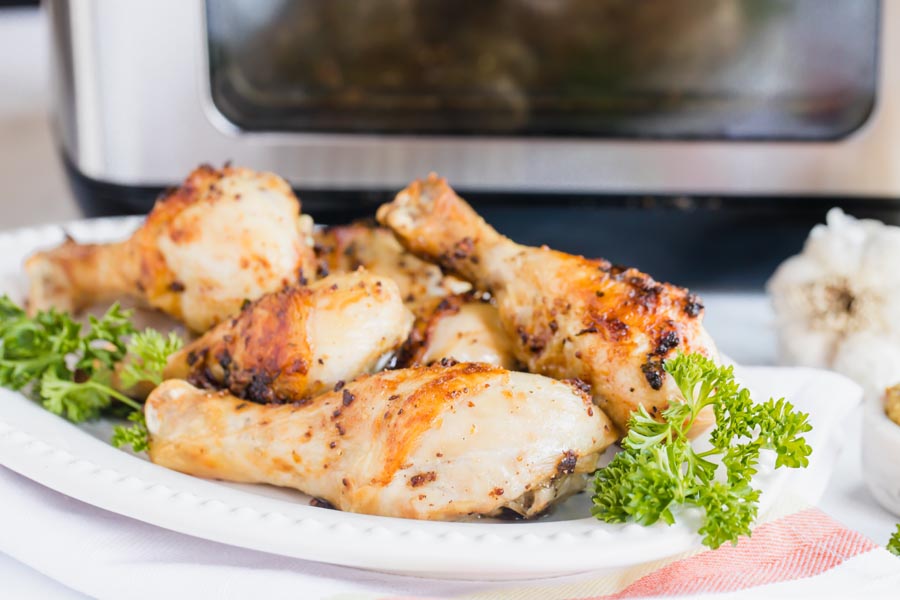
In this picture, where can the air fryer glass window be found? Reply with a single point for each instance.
(676, 69)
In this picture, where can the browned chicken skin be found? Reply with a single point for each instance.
(222, 237)
(298, 342)
(425, 443)
(463, 326)
(345, 248)
(570, 317)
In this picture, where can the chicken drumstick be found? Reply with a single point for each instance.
(570, 317)
(223, 237)
(425, 443)
(298, 342)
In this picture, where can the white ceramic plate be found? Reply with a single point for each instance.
(78, 461)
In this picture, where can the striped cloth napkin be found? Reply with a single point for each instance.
(803, 554)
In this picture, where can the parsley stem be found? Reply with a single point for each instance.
(115, 394)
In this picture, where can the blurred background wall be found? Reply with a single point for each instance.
(32, 184)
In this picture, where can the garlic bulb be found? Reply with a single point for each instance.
(837, 303)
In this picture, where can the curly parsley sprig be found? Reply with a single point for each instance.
(69, 371)
(135, 436)
(148, 352)
(893, 545)
(658, 469)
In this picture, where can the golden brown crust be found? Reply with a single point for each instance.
(155, 280)
(222, 236)
(345, 248)
(260, 355)
(72, 276)
(451, 320)
(432, 222)
(297, 342)
(416, 346)
(428, 442)
(569, 316)
(416, 413)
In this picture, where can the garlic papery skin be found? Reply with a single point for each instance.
(837, 303)
(870, 359)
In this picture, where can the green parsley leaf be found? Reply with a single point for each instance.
(69, 371)
(148, 352)
(104, 344)
(135, 436)
(31, 347)
(659, 470)
(76, 402)
(893, 545)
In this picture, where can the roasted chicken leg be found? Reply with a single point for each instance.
(298, 342)
(223, 237)
(464, 328)
(449, 324)
(425, 443)
(345, 248)
(570, 317)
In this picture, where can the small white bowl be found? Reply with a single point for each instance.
(881, 455)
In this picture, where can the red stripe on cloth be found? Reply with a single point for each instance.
(800, 545)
